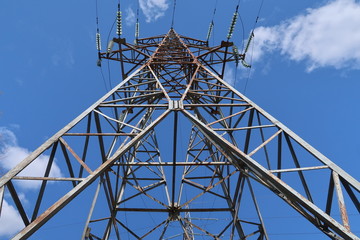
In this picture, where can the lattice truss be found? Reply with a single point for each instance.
(175, 152)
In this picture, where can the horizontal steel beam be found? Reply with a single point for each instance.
(173, 164)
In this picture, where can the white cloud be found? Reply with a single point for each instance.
(11, 154)
(153, 9)
(325, 36)
(10, 220)
(130, 17)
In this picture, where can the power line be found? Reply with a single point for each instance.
(173, 14)
(252, 35)
(211, 26)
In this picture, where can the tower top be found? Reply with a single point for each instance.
(172, 48)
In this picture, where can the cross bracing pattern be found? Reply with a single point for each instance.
(175, 152)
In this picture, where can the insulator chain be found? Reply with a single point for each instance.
(98, 41)
(211, 26)
(137, 30)
(232, 25)
(243, 62)
(249, 41)
(236, 54)
(118, 23)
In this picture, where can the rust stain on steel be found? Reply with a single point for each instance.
(341, 202)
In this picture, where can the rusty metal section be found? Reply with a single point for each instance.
(172, 142)
(341, 202)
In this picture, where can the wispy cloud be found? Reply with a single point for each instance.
(11, 154)
(153, 9)
(322, 37)
(10, 220)
(229, 76)
(63, 54)
(130, 17)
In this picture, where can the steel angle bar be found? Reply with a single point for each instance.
(270, 179)
(172, 164)
(137, 84)
(153, 229)
(159, 83)
(201, 229)
(351, 195)
(115, 120)
(208, 189)
(136, 50)
(232, 115)
(29, 159)
(352, 181)
(44, 182)
(264, 143)
(146, 96)
(216, 105)
(100, 134)
(62, 202)
(86, 227)
(341, 202)
(127, 229)
(2, 190)
(48, 178)
(190, 83)
(243, 128)
(18, 203)
(82, 163)
(299, 169)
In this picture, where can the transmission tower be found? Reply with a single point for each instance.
(174, 146)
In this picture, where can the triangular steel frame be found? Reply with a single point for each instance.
(232, 145)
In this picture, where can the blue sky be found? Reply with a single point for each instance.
(305, 60)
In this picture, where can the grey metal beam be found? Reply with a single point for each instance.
(50, 212)
(29, 159)
(271, 179)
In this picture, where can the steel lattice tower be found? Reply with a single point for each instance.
(174, 147)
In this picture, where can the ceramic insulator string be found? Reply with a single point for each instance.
(249, 41)
(98, 41)
(137, 30)
(118, 23)
(245, 64)
(137, 27)
(236, 54)
(233, 23)
(211, 26)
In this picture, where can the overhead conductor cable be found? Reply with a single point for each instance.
(252, 35)
(211, 26)
(173, 14)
